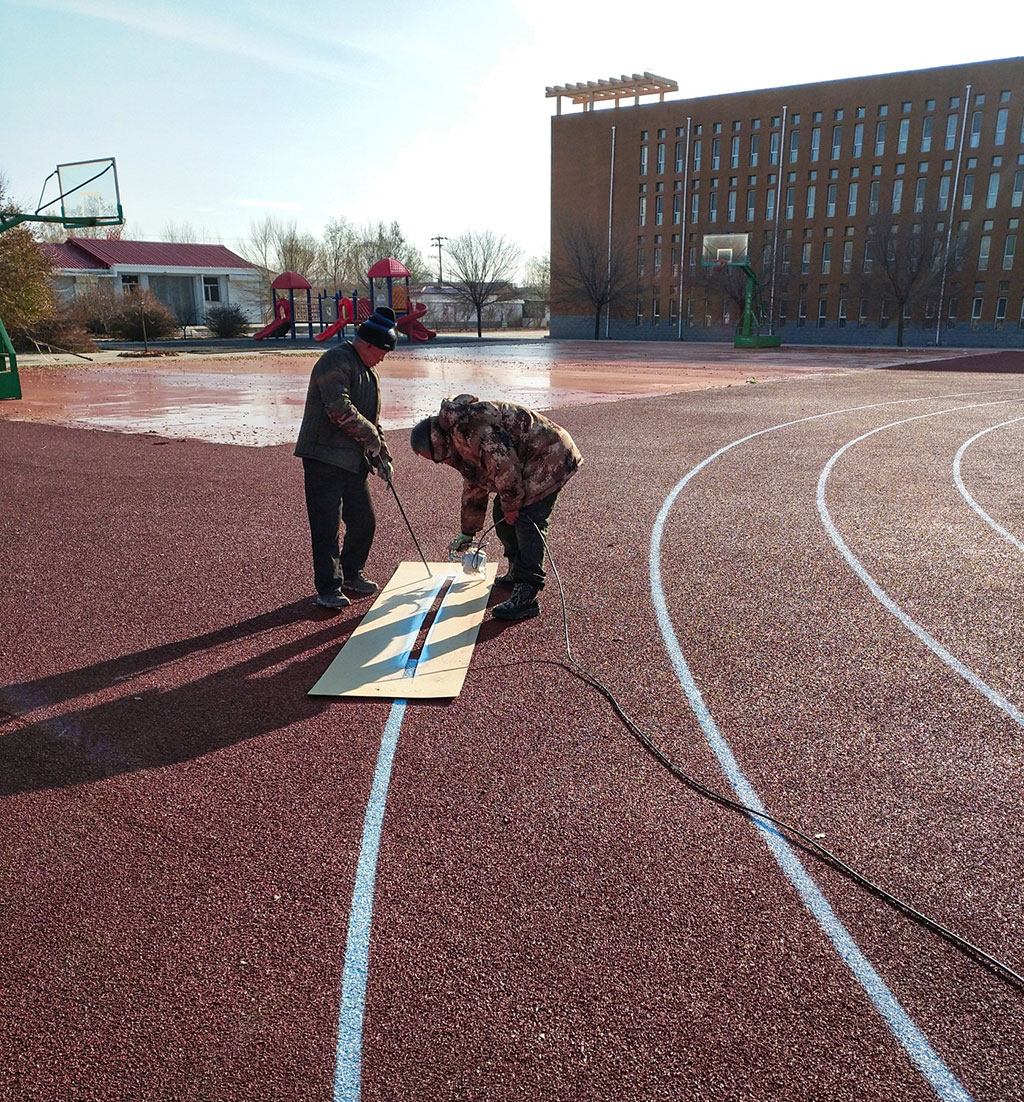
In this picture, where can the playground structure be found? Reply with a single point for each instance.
(730, 250)
(285, 314)
(100, 205)
(348, 310)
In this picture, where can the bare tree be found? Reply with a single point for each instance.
(482, 266)
(595, 272)
(905, 259)
(537, 275)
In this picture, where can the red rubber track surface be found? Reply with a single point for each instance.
(556, 916)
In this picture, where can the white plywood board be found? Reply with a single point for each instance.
(374, 662)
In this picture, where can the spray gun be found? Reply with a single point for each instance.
(473, 558)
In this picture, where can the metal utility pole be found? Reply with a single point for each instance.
(437, 242)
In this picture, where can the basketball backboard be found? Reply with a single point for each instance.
(88, 190)
(721, 249)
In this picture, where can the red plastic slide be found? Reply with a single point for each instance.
(282, 320)
(344, 317)
(412, 327)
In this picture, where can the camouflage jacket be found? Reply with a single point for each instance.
(340, 423)
(505, 449)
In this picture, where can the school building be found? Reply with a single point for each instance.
(864, 199)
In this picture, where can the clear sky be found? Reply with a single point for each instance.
(431, 113)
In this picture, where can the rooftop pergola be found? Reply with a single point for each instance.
(593, 91)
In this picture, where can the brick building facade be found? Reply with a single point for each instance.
(825, 178)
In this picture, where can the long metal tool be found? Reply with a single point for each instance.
(398, 501)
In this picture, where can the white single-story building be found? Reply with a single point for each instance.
(187, 278)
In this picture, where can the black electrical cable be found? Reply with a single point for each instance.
(803, 841)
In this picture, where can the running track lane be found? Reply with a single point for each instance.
(898, 1021)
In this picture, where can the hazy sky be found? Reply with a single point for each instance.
(430, 113)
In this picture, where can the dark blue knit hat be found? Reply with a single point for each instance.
(379, 329)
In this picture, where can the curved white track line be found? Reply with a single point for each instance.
(963, 489)
(882, 597)
(903, 1028)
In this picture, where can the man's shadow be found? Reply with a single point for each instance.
(147, 727)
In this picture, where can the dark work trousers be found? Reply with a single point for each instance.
(524, 547)
(334, 497)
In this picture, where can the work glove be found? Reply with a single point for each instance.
(384, 468)
(460, 543)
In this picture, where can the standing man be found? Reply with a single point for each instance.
(340, 440)
(522, 458)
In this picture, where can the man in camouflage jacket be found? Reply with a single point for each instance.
(524, 459)
(340, 439)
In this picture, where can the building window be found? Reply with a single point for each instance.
(787, 250)
(790, 193)
(822, 312)
(812, 192)
(731, 209)
(754, 146)
(794, 145)
(805, 258)
(847, 257)
(976, 308)
(734, 153)
(801, 313)
(713, 207)
(643, 160)
(879, 139)
(1001, 120)
(769, 205)
(1018, 188)
(639, 320)
(874, 194)
(642, 212)
(944, 193)
(837, 142)
(826, 258)
(129, 284)
(661, 158)
(968, 191)
(926, 135)
(984, 248)
(677, 208)
(751, 205)
(680, 147)
(773, 150)
(919, 193)
(858, 139)
(897, 196)
(695, 206)
(975, 139)
(993, 190)
(903, 137)
(211, 289)
(816, 143)
(1000, 312)
(655, 311)
(868, 259)
(696, 155)
(951, 121)
(842, 314)
(716, 158)
(830, 201)
(1009, 248)
(657, 258)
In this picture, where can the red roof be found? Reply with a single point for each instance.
(387, 267)
(90, 252)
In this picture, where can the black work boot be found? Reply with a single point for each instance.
(520, 606)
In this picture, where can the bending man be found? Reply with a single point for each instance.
(521, 457)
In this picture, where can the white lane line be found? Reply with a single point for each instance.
(957, 461)
(348, 1063)
(954, 663)
(901, 1025)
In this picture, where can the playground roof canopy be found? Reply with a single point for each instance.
(387, 267)
(291, 281)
